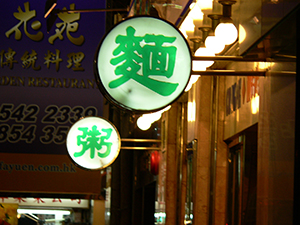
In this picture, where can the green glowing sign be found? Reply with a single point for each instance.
(143, 64)
(93, 143)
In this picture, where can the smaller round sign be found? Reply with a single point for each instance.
(93, 143)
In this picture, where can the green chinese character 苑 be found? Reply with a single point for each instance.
(93, 140)
(148, 53)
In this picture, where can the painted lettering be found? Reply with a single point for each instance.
(240, 93)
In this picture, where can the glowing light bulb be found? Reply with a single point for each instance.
(193, 79)
(154, 116)
(215, 44)
(203, 52)
(227, 32)
(143, 123)
(188, 26)
(196, 14)
(205, 4)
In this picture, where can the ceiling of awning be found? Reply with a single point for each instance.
(280, 41)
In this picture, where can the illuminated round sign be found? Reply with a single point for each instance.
(93, 143)
(143, 64)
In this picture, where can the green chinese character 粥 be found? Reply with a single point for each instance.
(150, 54)
(93, 140)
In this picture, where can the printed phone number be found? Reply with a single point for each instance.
(28, 114)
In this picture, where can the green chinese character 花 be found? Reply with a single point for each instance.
(93, 140)
(148, 54)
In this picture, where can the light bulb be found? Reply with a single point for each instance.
(166, 109)
(203, 64)
(205, 4)
(215, 44)
(196, 14)
(192, 80)
(188, 26)
(143, 123)
(154, 116)
(227, 32)
(198, 65)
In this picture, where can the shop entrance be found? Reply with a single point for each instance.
(242, 178)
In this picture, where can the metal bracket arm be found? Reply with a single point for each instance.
(135, 140)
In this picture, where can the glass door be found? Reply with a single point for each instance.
(234, 185)
(242, 179)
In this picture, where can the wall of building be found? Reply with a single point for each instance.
(276, 148)
(210, 169)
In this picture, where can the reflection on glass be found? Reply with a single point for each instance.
(242, 33)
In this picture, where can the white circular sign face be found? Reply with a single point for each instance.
(143, 64)
(93, 143)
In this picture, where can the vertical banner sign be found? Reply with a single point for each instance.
(143, 64)
(46, 85)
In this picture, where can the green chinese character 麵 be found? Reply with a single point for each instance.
(149, 54)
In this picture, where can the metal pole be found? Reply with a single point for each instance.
(181, 130)
(213, 148)
(140, 140)
(91, 10)
(229, 73)
(280, 58)
(228, 58)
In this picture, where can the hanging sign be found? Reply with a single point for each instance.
(93, 143)
(143, 64)
(46, 84)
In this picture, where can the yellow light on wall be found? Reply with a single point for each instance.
(191, 111)
(263, 65)
(255, 104)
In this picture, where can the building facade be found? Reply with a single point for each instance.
(230, 156)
